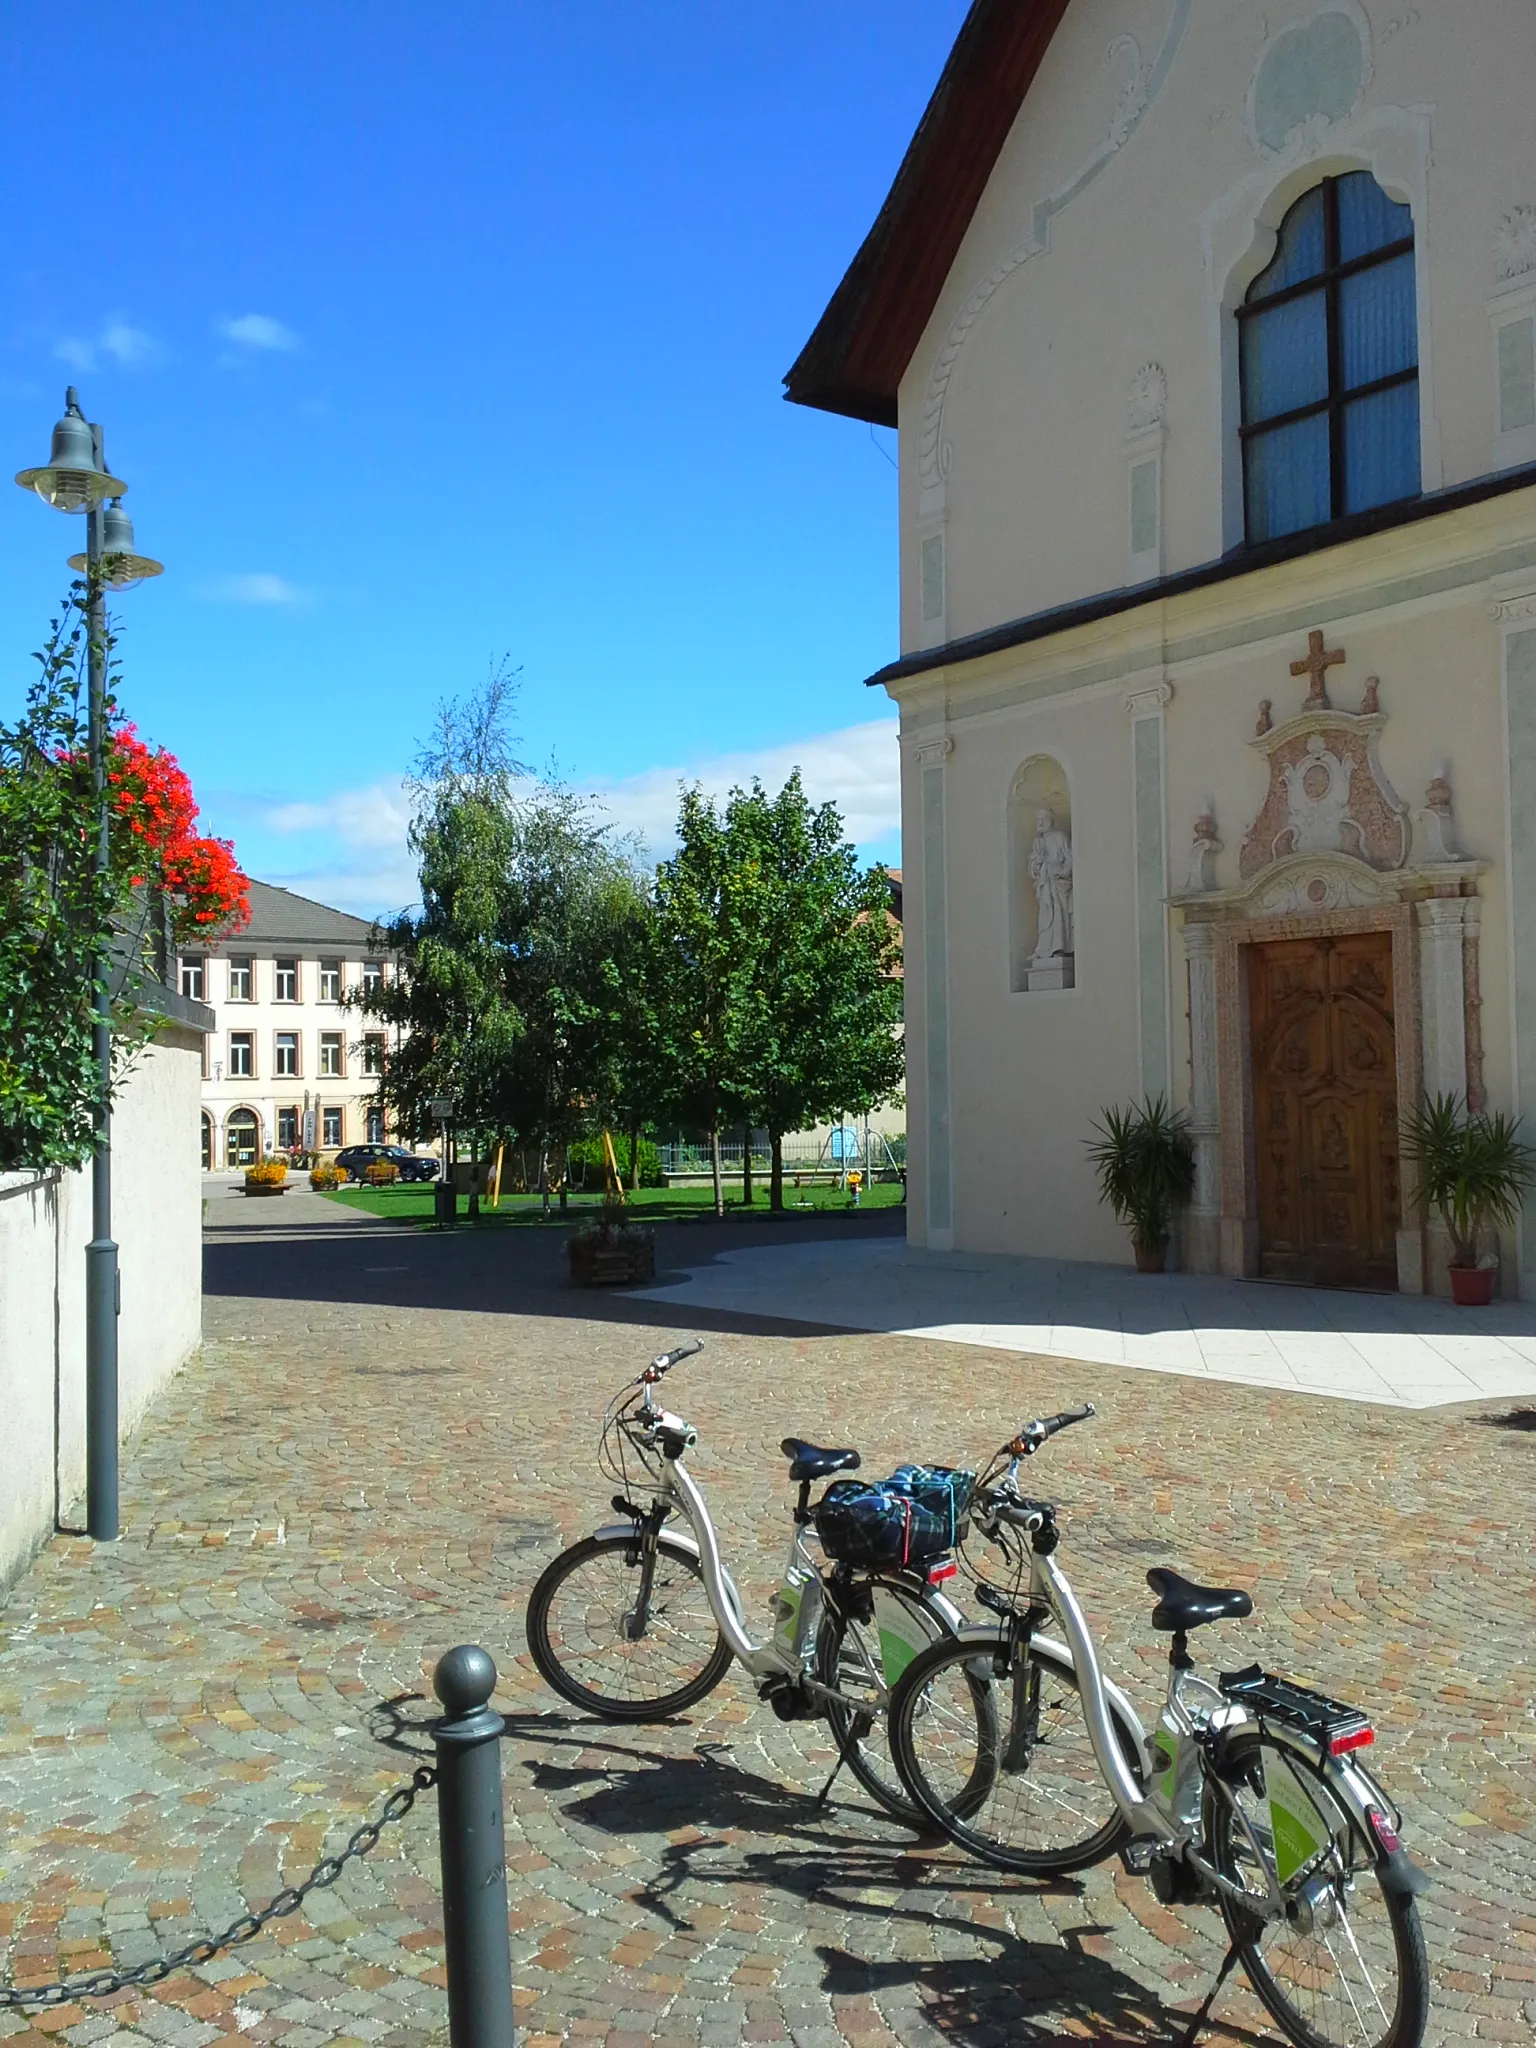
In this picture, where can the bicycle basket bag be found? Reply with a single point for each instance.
(891, 1524)
(939, 1491)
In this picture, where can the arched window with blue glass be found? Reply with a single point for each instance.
(1329, 350)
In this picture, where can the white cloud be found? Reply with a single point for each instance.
(858, 769)
(260, 331)
(360, 861)
(374, 818)
(255, 588)
(128, 346)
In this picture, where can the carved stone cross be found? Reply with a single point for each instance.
(1317, 665)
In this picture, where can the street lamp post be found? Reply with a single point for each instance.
(75, 479)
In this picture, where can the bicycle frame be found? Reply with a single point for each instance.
(680, 1493)
(1148, 1815)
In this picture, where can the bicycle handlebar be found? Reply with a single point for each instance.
(1034, 1434)
(665, 1361)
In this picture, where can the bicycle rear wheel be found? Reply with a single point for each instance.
(1036, 1800)
(1346, 1967)
(858, 1659)
(611, 1654)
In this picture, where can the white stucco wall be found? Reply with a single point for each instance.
(45, 1225)
(1130, 207)
(1028, 1072)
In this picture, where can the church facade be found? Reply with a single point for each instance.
(1209, 330)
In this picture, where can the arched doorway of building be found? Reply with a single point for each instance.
(206, 1122)
(242, 1138)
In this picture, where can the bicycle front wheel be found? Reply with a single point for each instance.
(859, 1660)
(620, 1643)
(1346, 1966)
(1036, 1800)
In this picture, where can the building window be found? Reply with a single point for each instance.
(330, 1054)
(373, 974)
(375, 1127)
(242, 1138)
(242, 1055)
(193, 979)
(330, 1126)
(373, 1053)
(287, 1053)
(287, 1130)
(1329, 350)
(240, 983)
(206, 1123)
(286, 989)
(330, 981)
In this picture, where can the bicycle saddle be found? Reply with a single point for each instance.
(1183, 1604)
(810, 1461)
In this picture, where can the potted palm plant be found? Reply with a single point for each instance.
(1474, 1169)
(1145, 1161)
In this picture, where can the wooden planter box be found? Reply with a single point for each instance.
(620, 1262)
(266, 1187)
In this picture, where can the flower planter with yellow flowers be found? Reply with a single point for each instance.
(269, 1178)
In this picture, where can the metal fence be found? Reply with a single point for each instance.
(844, 1146)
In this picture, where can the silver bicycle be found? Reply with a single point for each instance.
(1250, 1795)
(641, 1620)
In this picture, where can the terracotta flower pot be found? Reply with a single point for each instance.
(1472, 1286)
(1151, 1258)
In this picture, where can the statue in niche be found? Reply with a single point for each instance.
(1050, 869)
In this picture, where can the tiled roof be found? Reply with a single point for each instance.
(279, 916)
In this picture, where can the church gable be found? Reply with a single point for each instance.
(1050, 301)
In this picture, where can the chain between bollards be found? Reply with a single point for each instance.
(472, 1845)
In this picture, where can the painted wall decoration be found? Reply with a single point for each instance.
(1309, 76)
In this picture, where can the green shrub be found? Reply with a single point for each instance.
(588, 1152)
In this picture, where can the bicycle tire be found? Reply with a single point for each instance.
(607, 1560)
(928, 1740)
(1378, 1922)
(848, 1657)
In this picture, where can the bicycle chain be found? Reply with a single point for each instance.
(102, 1983)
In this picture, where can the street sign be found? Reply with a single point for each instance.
(309, 1130)
(441, 1107)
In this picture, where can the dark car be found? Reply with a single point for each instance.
(356, 1160)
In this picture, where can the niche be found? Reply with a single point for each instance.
(1042, 923)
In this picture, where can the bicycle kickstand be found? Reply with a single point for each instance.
(1196, 2026)
(826, 1791)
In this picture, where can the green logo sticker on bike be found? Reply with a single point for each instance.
(1299, 1830)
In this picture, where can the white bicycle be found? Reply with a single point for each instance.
(640, 1621)
(1250, 1796)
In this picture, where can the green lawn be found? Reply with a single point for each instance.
(413, 1204)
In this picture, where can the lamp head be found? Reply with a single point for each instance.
(121, 568)
(72, 479)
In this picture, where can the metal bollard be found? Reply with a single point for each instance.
(473, 1850)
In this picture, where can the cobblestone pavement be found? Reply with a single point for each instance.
(386, 1436)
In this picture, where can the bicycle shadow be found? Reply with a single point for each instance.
(1010, 1992)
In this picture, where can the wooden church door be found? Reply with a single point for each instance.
(1324, 1063)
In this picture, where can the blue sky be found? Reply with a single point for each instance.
(427, 335)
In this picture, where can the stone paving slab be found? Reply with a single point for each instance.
(1400, 1350)
(344, 1486)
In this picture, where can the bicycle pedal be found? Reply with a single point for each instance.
(1136, 1854)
